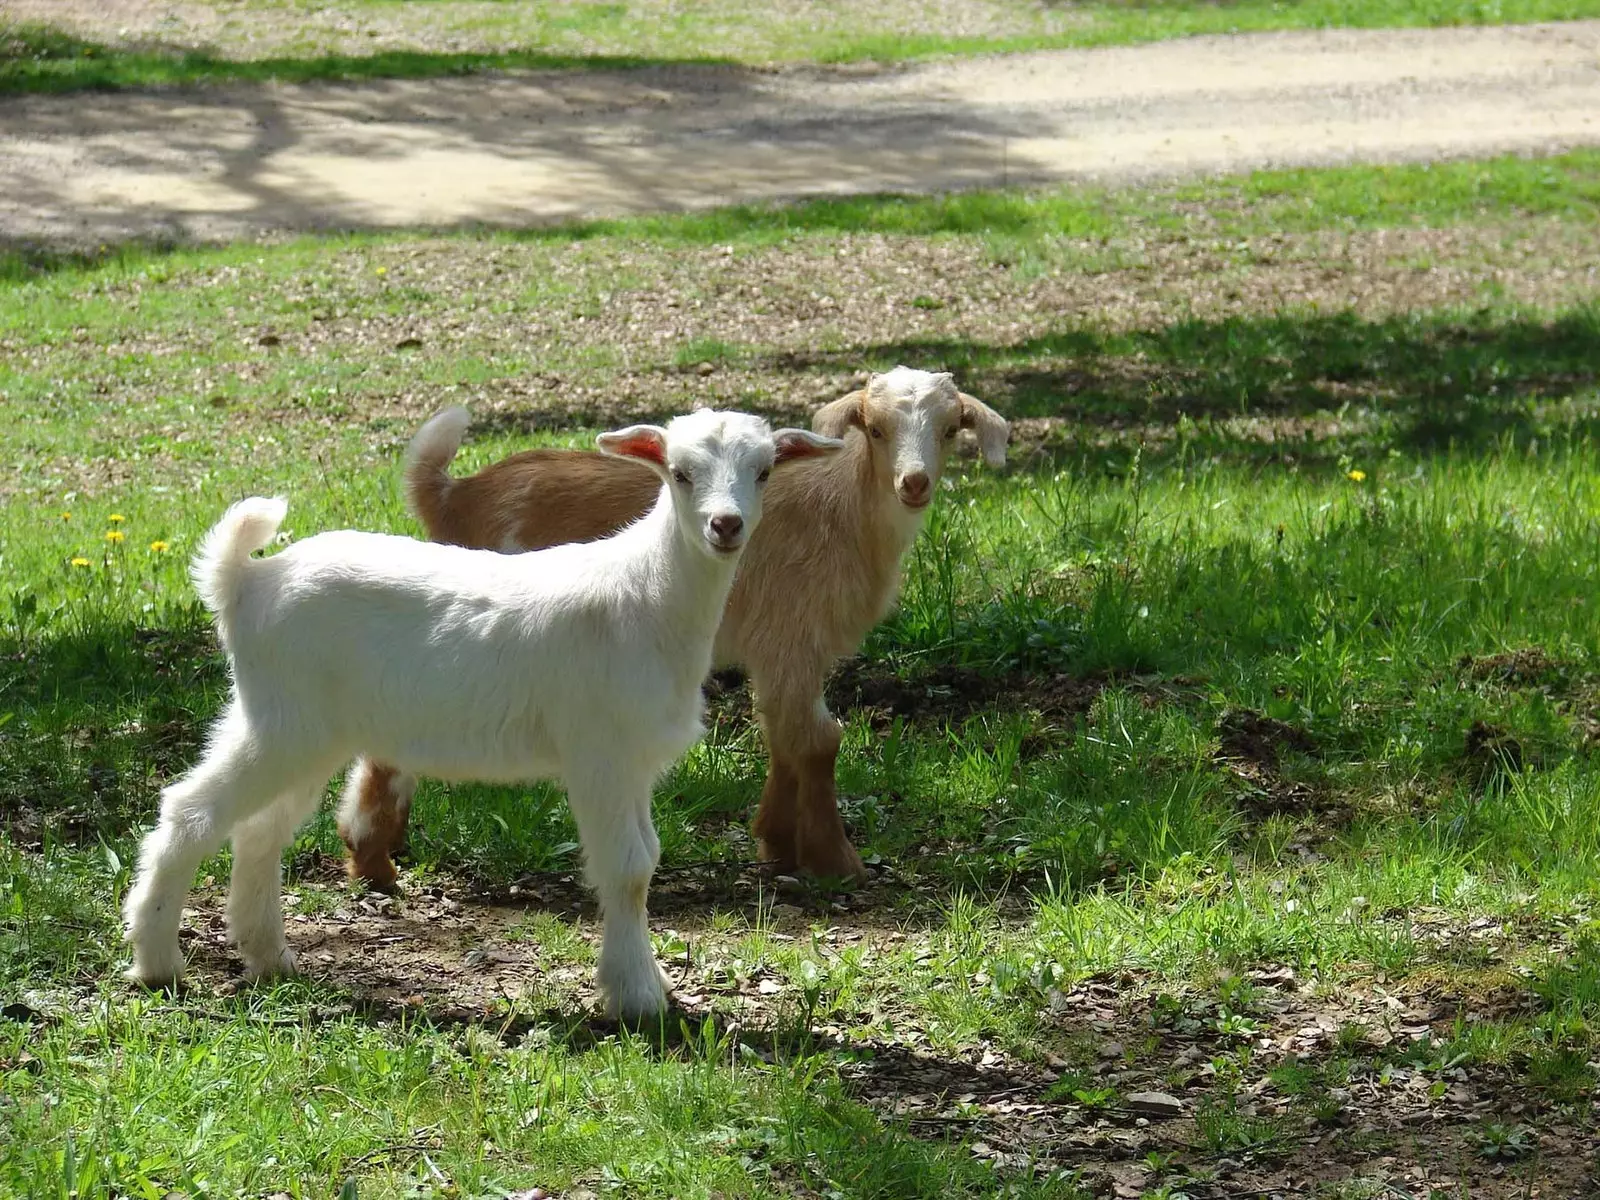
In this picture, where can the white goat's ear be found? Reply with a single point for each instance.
(833, 418)
(993, 432)
(802, 443)
(646, 443)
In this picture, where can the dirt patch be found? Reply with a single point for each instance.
(1250, 735)
(946, 694)
(949, 694)
(255, 29)
(1530, 666)
(942, 695)
(1271, 1083)
(1573, 686)
(1491, 750)
(1250, 746)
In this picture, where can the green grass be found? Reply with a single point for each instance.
(1339, 517)
(293, 42)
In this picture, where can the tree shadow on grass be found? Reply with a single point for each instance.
(98, 722)
(1312, 387)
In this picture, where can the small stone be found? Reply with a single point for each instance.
(705, 368)
(1155, 1104)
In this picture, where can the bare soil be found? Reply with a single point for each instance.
(520, 148)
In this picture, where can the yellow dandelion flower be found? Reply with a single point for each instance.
(160, 547)
(116, 518)
(383, 270)
(66, 516)
(1356, 476)
(115, 536)
(80, 562)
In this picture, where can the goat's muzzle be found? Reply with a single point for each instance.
(726, 533)
(915, 490)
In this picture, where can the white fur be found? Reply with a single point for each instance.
(581, 662)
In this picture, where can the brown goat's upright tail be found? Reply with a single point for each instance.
(431, 451)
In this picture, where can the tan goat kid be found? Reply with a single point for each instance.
(819, 573)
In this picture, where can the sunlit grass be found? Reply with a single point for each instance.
(1364, 589)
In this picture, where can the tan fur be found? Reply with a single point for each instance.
(533, 499)
(819, 573)
(371, 856)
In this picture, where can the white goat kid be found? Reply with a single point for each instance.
(580, 662)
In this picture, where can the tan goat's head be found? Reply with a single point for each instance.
(910, 419)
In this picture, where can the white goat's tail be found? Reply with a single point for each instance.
(244, 528)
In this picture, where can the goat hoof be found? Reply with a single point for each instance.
(273, 965)
(778, 854)
(837, 861)
(155, 974)
(637, 999)
(377, 871)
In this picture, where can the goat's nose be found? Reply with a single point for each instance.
(915, 487)
(727, 527)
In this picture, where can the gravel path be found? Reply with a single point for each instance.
(516, 149)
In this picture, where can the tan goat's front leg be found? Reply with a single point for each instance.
(774, 823)
(798, 824)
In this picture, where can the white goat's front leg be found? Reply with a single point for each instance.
(255, 894)
(620, 851)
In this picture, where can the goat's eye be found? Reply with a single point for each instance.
(876, 432)
(681, 476)
(764, 476)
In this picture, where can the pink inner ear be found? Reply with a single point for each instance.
(642, 445)
(788, 448)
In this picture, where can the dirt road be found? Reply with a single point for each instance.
(519, 149)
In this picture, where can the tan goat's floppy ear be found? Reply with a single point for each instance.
(802, 443)
(647, 443)
(833, 418)
(991, 427)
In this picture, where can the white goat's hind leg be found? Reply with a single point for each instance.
(255, 894)
(613, 816)
(230, 783)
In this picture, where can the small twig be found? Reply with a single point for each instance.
(437, 1174)
(397, 1148)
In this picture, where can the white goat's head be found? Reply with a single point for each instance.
(910, 419)
(715, 464)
